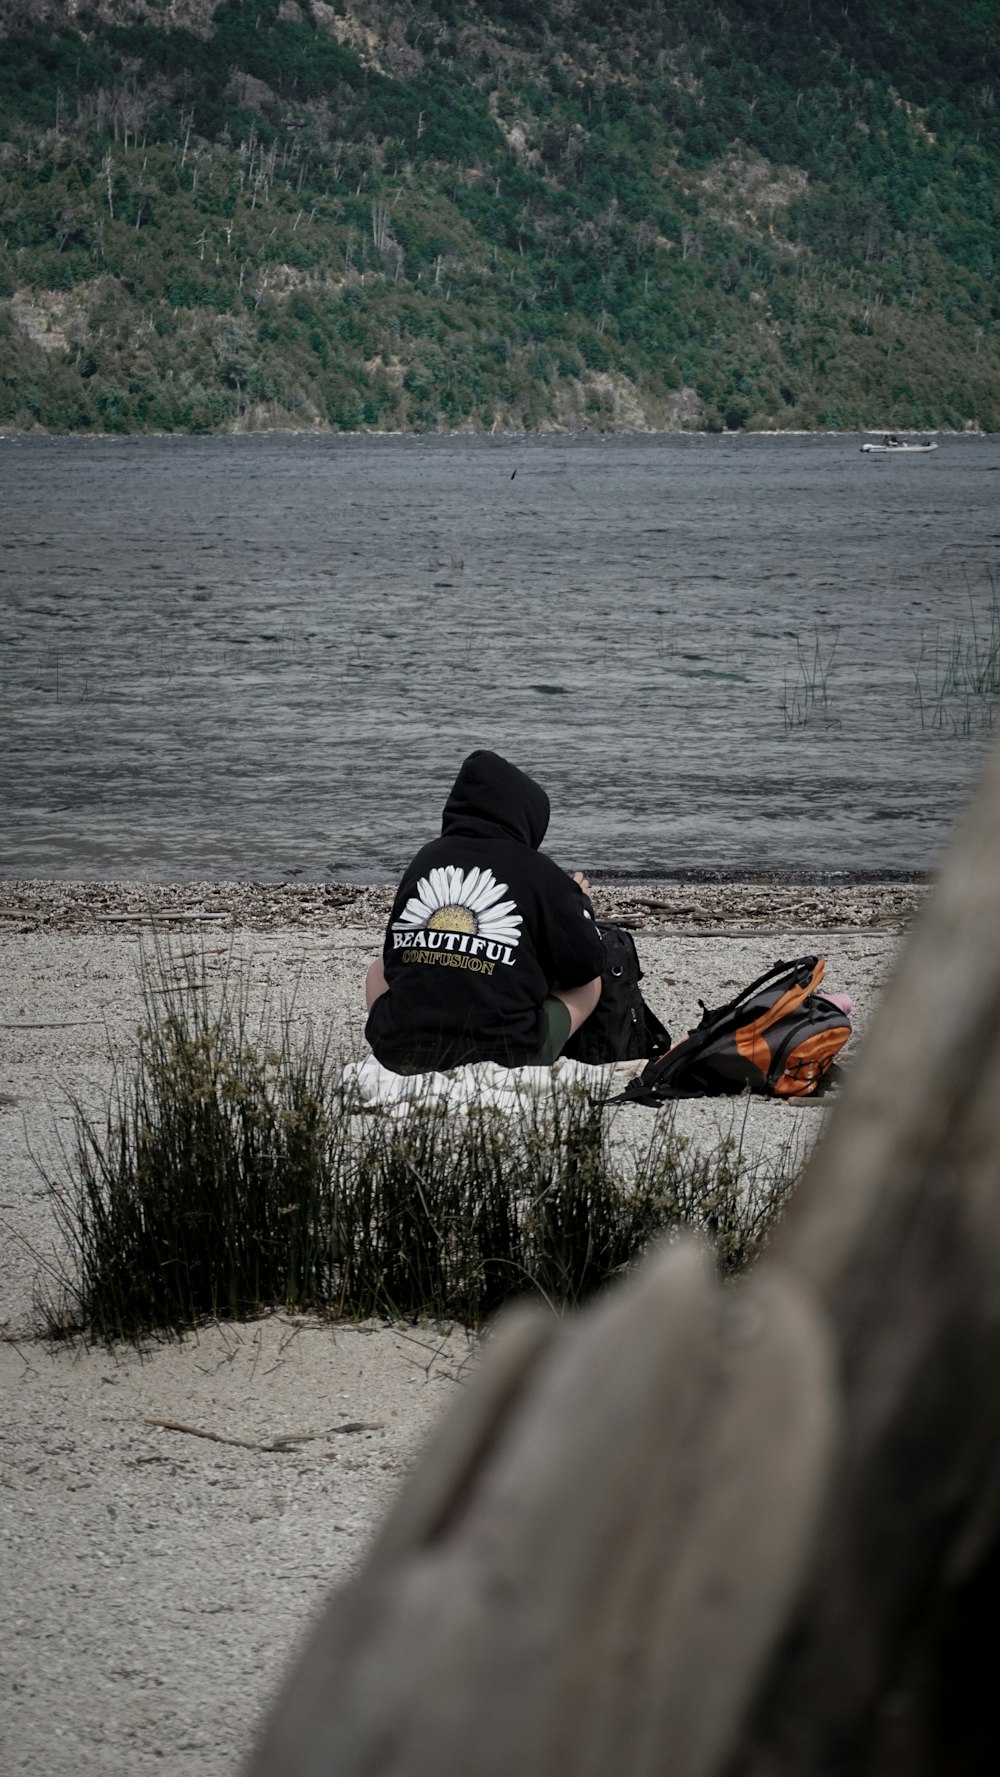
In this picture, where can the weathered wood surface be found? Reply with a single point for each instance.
(609, 1510)
(896, 1235)
(744, 1532)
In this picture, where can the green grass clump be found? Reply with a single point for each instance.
(808, 698)
(965, 672)
(230, 1174)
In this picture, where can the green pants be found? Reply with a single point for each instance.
(558, 1025)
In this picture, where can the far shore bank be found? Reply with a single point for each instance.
(13, 432)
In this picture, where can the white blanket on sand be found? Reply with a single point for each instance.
(482, 1083)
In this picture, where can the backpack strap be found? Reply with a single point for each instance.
(638, 1091)
(797, 963)
(789, 1001)
(748, 1036)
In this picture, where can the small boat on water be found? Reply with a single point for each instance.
(891, 446)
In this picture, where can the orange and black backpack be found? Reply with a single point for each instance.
(778, 1037)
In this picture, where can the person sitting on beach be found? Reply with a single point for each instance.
(491, 952)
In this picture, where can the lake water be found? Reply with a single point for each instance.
(268, 655)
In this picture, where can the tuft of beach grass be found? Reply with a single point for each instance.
(229, 1173)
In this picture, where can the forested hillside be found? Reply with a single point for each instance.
(413, 214)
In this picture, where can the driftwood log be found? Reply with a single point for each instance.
(754, 1530)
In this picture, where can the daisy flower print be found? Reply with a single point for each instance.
(469, 902)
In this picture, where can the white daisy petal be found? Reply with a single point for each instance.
(415, 913)
(486, 890)
(439, 886)
(491, 928)
(501, 936)
(503, 909)
(491, 891)
(498, 916)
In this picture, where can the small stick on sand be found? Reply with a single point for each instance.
(286, 1443)
(144, 916)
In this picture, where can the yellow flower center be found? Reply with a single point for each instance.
(452, 919)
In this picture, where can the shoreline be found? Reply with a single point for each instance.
(685, 903)
(11, 433)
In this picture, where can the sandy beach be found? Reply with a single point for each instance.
(171, 1518)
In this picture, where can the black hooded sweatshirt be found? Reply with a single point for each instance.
(482, 928)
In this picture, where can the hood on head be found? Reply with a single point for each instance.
(492, 796)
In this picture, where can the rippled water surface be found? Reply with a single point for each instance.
(260, 656)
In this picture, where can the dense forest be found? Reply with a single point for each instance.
(432, 214)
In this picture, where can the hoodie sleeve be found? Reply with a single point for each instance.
(575, 953)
